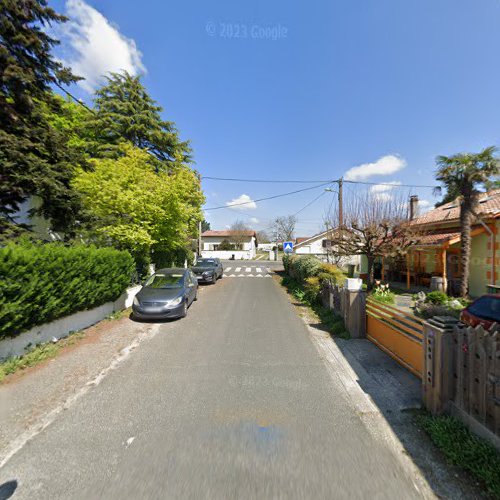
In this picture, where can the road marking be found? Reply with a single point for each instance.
(228, 269)
(258, 269)
(268, 269)
(268, 276)
(259, 276)
(237, 270)
(248, 269)
(241, 275)
(250, 275)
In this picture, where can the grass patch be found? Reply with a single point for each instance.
(37, 355)
(333, 323)
(464, 449)
(119, 314)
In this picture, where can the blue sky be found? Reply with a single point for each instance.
(313, 90)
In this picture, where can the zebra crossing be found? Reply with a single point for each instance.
(247, 272)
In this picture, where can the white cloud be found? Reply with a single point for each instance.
(425, 205)
(96, 46)
(384, 188)
(386, 165)
(236, 204)
(254, 220)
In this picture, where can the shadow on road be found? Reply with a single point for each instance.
(398, 395)
(7, 489)
(152, 321)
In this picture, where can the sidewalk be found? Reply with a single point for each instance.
(31, 399)
(387, 396)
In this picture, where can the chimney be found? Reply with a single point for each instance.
(413, 206)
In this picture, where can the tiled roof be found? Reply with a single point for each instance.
(489, 205)
(302, 239)
(228, 233)
(437, 238)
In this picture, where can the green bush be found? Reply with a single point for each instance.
(331, 273)
(464, 449)
(306, 267)
(437, 297)
(40, 283)
(312, 289)
(287, 262)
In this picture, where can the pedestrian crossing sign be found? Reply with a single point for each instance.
(288, 247)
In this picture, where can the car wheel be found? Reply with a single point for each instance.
(214, 279)
(195, 296)
(184, 309)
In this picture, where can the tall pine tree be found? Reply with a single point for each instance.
(34, 156)
(125, 112)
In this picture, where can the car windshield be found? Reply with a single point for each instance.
(486, 308)
(165, 281)
(206, 263)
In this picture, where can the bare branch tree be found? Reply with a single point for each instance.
(375, 224)
(283, 228)
(239, 234)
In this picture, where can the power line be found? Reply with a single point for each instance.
(310, 203)
(391, 184)
(81, 103)
(273, 181)
(264, 180)
(268, 197)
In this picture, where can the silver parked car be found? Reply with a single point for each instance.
(166, 294)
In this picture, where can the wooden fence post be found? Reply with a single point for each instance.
(437, 380)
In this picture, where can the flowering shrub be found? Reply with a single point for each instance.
(382, 293)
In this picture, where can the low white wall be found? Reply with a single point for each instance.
(226, 255)
(62, 327)
(266, 246)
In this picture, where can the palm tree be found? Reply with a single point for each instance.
(463, 174)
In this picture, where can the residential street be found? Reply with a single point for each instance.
(233, 401)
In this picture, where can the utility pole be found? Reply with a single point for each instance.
(199, 239)
(341, 206)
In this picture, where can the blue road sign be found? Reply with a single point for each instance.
(288, 247)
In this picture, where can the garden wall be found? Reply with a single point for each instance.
(60, 328)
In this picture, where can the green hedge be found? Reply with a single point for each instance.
(40, 283)
(304, 267)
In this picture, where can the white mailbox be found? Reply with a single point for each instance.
(354, 284)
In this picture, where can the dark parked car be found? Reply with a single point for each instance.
(484, 311)
(208, 270)
(166, 294)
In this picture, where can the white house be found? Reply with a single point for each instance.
(320, 246)
(229, 244)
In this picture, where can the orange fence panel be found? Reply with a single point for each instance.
(397, 333)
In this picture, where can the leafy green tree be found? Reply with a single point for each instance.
(126, 112)
(34, 157)
(464, 173)
(133, 207)
(72, 120)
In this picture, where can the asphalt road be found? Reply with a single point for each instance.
(231, 402)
